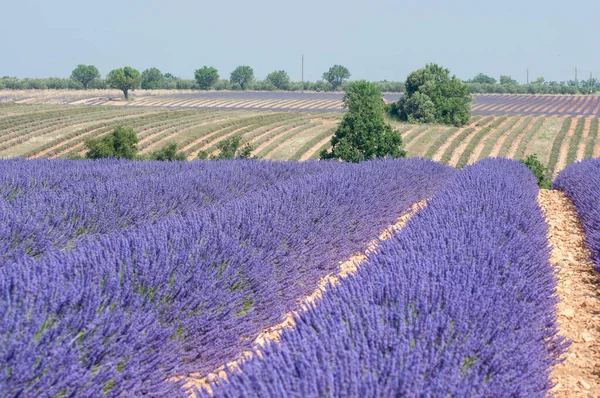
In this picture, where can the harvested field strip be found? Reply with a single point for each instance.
(442, 149)
(253, 131)
(574, 144)
(316, 154)
(414, 133)
(198, 142)
(577, 288)
(80, 135)
(447, 156)
(557, 144)
(289, 148)
(580, 152)
(417, 146)
(493, 138)
(520, 153)
(270, 147)
(592, 136)
(11, 125)
(267, 139)
(440, 140)
(259, 136)
(466, 147)
(510, 139)
(156, 136)
(305, 151)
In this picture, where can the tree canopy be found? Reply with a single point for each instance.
(483, 79)
(336, 75)
(363, 133)
(242, 75)
(124, 79)
(433, 96)
(206, 77)
(120, 144)
(152, 79)
(280, 79)
(85, 74)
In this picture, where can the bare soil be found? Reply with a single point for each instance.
(578, 289)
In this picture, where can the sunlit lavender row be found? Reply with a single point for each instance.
(459, 303)
(129, 274)
(581, 183)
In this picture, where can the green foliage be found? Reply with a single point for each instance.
(85, 74)
(279, 79)
(574, 144)
(538, 170)
(483, 79)
(152, 79)
(593, 134)
(120, 144)
(167, 153)
(336, 76)
(242, 75)
(507, 80)
(229, 148)
(206, 77)
(124, 79)
(363, 133)
(433, 96)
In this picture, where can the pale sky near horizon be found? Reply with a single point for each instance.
(375, 40)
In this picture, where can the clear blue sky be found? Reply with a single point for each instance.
(376, 39)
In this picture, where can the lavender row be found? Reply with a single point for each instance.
(125, 311)
(459, 303)
(581, 183)
(47, 204)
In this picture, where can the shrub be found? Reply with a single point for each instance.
(539, 171)
(120, 144)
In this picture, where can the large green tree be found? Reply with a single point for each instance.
(363, 133)
(432, 95)
(85, 74)
(336, 75)
(168, 153)
(124, 79)
(120, 144)
(483, 79)
(280, 79)
(206, 77)
(152, 79)
(242, 75)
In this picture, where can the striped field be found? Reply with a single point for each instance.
(485, 104)
(53, 131)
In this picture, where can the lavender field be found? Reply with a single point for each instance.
(123, 278)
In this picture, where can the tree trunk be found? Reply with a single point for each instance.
(125, 93)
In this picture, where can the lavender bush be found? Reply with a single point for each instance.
(188, 286)
(459, 303)
(581, 183)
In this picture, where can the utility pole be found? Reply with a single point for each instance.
(576, 81)
(528, 76)
(302, 72)
(590, 84)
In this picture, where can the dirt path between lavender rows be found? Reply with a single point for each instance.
(578, 289)
(346, 269)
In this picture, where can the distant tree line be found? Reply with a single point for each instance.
(483, 84)
(206, 78)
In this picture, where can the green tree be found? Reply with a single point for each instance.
(242, 75)
(124, 79)
(363, 133)
(167, 153)
(336, 76)
(85, 74)
(152, 79)
(508, 81)
(206, 77)
(431, 90)
(483, 79)
(230, 148)
(539, 171)
(279, 79)
(120, 144)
